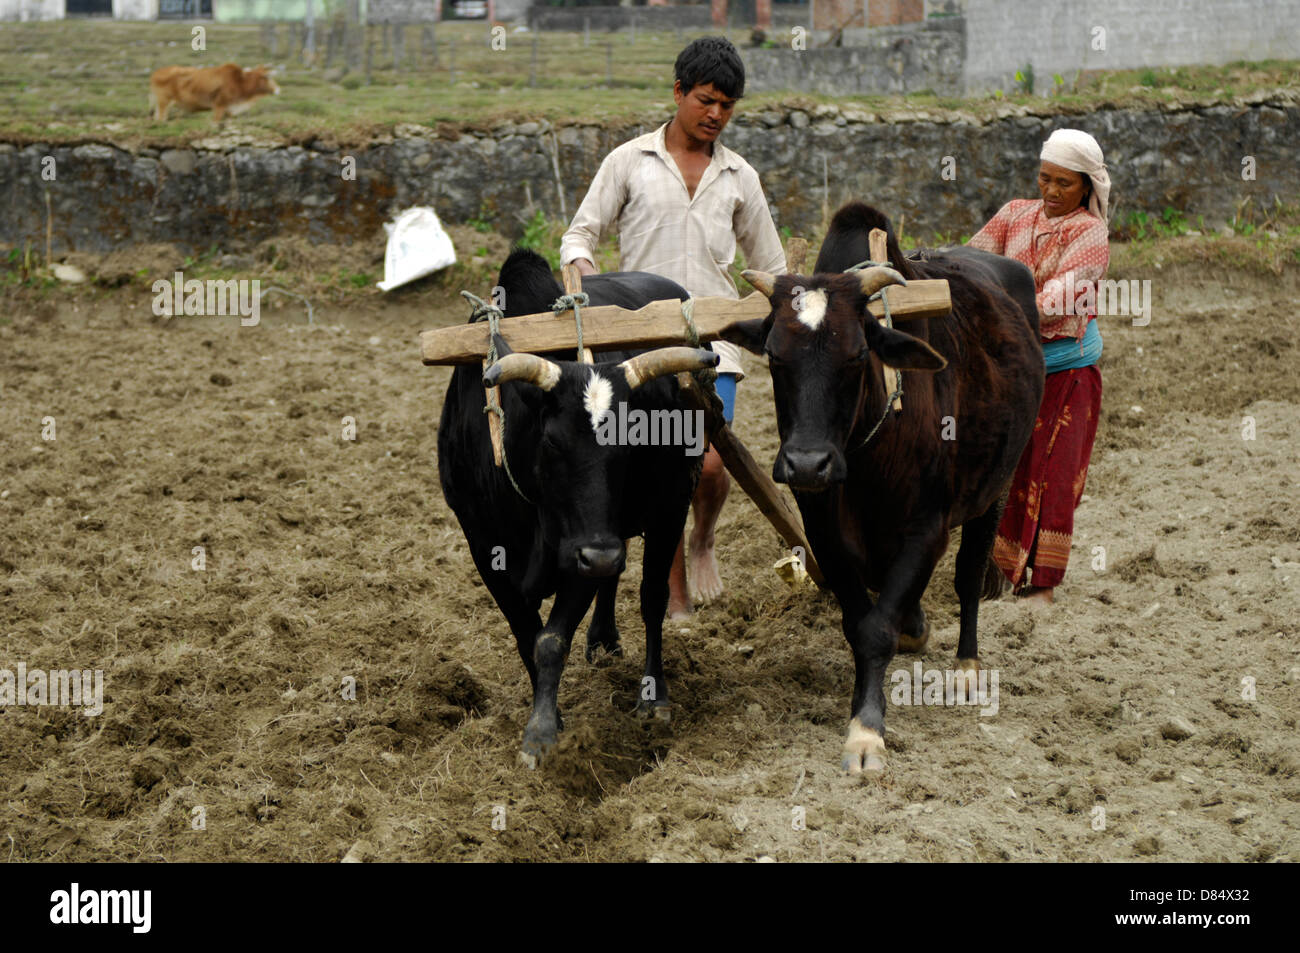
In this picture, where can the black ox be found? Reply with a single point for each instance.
(562, 531)
(878, 508)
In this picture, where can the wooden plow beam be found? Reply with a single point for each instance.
(661, 324)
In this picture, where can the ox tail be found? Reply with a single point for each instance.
(995, 583)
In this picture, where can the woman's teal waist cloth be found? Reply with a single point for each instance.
(1065, 354)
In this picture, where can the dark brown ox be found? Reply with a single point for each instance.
(878, 508)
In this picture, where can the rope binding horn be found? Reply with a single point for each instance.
(481, 310)
(889, 323)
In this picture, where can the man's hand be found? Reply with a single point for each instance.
(586, 267)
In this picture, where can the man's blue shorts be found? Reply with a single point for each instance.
(725, 385)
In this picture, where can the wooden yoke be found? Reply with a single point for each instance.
(658, 324)
(877, 248)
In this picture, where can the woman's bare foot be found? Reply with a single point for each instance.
(1036, 596)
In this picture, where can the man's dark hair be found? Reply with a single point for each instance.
(711, 59)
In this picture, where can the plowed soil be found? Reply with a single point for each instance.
(1151, 713)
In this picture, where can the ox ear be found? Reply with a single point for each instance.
(751, 334)
(901, 350)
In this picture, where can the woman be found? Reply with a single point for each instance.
(1062, 238)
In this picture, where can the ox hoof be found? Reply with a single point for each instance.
(600, 651)
(864, 750)
(539, 740)
(915, 643)
(661, 712)
(534, 754)
(966, 680)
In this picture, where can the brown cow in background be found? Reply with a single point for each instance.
(223, 89)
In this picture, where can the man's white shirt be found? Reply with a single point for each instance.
(662, 229)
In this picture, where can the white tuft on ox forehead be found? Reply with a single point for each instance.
(596, 398)
(812, 308)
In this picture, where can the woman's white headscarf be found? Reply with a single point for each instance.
(1077, 151)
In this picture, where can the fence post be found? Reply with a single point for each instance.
(352, 35)
(370, 44)
(309, 47)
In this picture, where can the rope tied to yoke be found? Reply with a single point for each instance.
(705, 376)
(576, 301)
(480, 310)
(889, 323)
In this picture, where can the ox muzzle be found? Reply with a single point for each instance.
(810, 469)
(596, 558)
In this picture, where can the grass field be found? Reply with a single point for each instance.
(76, 80)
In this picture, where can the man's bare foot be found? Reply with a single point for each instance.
(705, 581)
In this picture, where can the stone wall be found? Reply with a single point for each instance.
(236, 195)
(901, 59)
(829, 14)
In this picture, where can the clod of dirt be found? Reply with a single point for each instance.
(149, 767)
(1177, 729)
(1144, 563)
(1014, 634)
(1074, 798)
(1147, 846)
(264, 809)
(455, 685)
(1128, 751)
(170, 733)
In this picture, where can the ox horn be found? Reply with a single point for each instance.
(523, 367)
(762, 280)
(666, 360)
(873, 279)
